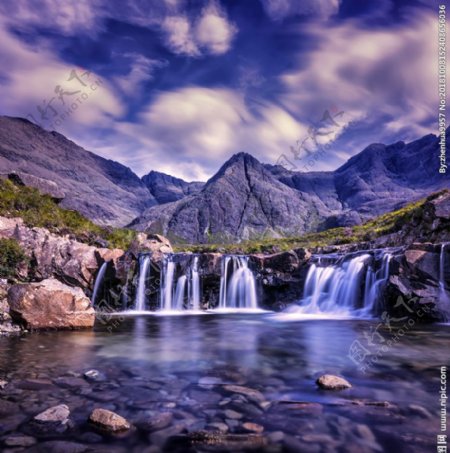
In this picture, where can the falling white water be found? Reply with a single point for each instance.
(443, 294)
(144, 270)
(185, 294)
(195, 279)
(167, 283)
(98, 282)
(238, 289)
(345, 288)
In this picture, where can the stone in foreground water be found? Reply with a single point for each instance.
(331, 382)
(109, 421)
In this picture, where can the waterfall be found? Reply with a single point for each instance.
(238, 289)
(98, 282)
(195, 279)
(443, 294)
(185, 293)
(141, 297)
(348, 286)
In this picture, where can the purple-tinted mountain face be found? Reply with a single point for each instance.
(247, 199)
(244, 199)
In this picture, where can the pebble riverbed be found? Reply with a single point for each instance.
(221, 383)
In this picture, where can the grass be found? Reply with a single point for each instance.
(369, 231)
(11, 257)
(39, 210)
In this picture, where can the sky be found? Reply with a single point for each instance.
(180, 86)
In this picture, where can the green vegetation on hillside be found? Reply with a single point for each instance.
(39, 210)
(11, 257)
(369, 231)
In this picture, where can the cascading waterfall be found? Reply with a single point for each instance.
(180, 288)
(195, 279)
(144, 273)
(98, 282)
(238, 288)
(348, 287)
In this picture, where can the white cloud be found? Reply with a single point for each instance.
(211, 32)
(370, 74)
(62, 16)
(141, 69)
(30, 77)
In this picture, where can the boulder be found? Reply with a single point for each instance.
(331, 382)
(108, 421)
(61, 257)
(154, 243)
(50, 304)
(44, 186)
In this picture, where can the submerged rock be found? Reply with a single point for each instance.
(50, 305)
(331, 382)
(109, 421)
(95, 376)
(55, 414)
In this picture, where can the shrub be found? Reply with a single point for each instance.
(11, 256)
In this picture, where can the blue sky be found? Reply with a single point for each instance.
(179, 86)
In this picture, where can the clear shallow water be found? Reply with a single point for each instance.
(157, 364)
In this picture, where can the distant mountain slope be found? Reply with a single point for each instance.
(103, 190)
(247, 199)
(166, 188)
(241, 200)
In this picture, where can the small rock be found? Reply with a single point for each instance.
(20, 441)
(109, 421)
(95, 376)
(222, 427)
(209, 380)
(159, 421)
(55, 414)
(331, 382)
(419, 410)
(3, 384)
(233, 415)
(250, 393)
(253, 427)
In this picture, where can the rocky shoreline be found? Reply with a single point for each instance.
(53, 287)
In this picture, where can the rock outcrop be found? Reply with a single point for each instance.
(50, 305)
(50, 255)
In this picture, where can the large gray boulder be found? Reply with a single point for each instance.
(50, 305)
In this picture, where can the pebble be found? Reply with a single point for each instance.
(250, 393)
(222, 427)
(109, 421)
(156, 422)
(20, 441)
(55, 414)
(233, 415)
(331, 382)
(94, 376)
(253, 427)
(419, 410)
(3, 384)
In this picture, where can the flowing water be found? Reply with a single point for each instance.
(345, 286)
(181, 367)
(98, 283)
(237, 285)
(143, 276)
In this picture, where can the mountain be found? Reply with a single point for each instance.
(166, 188)
(247, 199)
(103, 190)
(242, 200)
